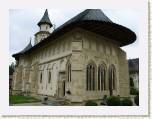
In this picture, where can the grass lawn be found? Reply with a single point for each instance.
(17, 99)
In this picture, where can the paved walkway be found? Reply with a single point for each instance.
(51, 102)
(29, 104)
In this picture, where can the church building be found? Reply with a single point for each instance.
(78, 61)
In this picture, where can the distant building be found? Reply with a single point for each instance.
(80, 60)
(134, 71)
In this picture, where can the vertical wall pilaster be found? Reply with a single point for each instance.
(123, 75)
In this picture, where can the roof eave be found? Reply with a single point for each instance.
(61, 31)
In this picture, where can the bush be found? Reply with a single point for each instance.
(134, 91)
(113, 101)
(91, 103)
(126, 102)
(104, 100)
(136, 100)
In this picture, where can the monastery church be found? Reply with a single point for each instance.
(80, 60)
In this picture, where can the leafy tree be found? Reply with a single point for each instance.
(134, 91)
(11, 68)
(131, 82)
(136, 100)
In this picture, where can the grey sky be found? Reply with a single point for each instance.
(23, 25)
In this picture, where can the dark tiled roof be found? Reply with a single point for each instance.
(93, 20)
(45, 19)
(29, 46)
(88, 14)
(133, 65)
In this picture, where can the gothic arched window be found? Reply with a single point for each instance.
(112, 78)
(69, 72)
(101, 77)
(90, 77)
(41, 78)
(49, 77)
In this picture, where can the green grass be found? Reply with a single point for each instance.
(17, 99)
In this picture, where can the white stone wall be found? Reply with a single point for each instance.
(40, 36)
(78, 47)
(52, 57)
(45, 27)
(91, 47)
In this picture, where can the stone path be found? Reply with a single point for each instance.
(29, 104)
(51, 102)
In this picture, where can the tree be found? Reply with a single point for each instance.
(131, 82)
(11, 68)
(136, 100)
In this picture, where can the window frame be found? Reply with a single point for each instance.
(112, 77)
(41, 77)
(49, 77)
(91, 77)
(69, 72)
(102, 77)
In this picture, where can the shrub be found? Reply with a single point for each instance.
(136, 99)
(91, 103)
(104, 100)
(134, 91)
(126, 102)
(113, 101)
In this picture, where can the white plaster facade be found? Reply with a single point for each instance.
(78, 47)
(44, 71)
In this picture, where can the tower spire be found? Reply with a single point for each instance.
(45, 19)
(46, 28)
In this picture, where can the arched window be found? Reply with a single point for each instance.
(90, 77)
(41, 78)
(101, 77)
(49, 77)
(112, 78)
(69, 72)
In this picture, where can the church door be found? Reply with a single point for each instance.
(61, 89)
(63, 86)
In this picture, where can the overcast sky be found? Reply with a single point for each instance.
(23, 25)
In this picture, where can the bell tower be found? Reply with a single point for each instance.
(45, 28)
